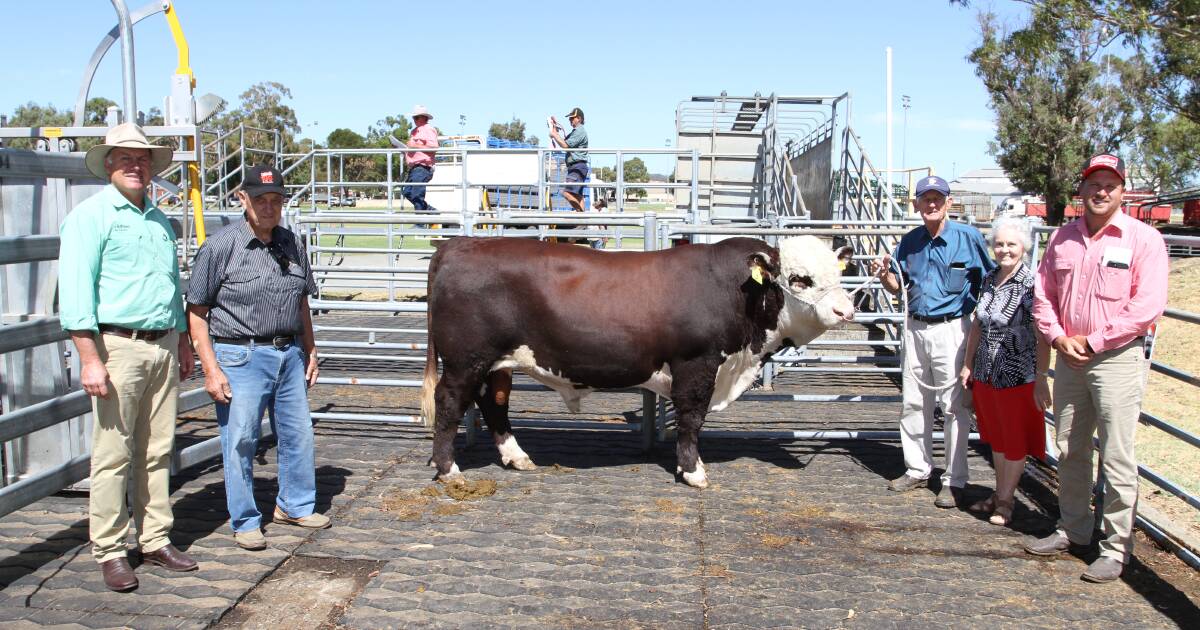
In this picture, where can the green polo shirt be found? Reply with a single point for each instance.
(117, 265)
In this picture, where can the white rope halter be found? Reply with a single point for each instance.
(903, 350)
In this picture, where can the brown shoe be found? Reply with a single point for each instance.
(170, 559)
(118, 575)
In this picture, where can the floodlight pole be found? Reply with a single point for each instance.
(888, 113)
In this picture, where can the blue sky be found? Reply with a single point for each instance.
(627, 64)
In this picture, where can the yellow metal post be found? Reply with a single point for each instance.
(195, 198)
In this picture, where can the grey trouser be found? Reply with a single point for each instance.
(1104, 397)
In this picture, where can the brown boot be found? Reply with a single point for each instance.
(118, 575)
(170, 559)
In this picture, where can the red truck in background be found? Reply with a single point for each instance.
(1191, 213)
(1150, 213)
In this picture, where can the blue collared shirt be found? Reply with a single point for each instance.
(944, 273)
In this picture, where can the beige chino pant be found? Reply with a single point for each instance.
(934, 354)
(133, 434)
(1104, 397)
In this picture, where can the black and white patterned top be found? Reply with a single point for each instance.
(243, 280)
(1007, 352)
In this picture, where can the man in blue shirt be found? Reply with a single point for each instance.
(943, 264)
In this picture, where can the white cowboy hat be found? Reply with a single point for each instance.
(420, 110)
(126, 136)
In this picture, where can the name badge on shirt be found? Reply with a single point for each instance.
(1117, 257)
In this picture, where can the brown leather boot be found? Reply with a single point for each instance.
(118, 575)
(170, 559)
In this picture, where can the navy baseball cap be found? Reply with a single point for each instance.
(1102, 162)
(933, 182)
(263, 179)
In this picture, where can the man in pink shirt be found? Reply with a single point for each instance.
(1101, 285)
(420, 163)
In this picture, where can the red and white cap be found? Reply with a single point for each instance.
(1105, 161)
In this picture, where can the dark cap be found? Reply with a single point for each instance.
(1104, 161)
(575, 112)
(933, 182)
(261, 180)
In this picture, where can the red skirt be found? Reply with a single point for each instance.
(1009, 420)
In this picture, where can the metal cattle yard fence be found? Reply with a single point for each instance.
(752, 172)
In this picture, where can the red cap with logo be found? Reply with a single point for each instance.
(1105, 161)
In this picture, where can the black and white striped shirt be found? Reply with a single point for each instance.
(242, 281)
(1007, 352)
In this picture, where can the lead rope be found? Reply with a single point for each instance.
(904, 350)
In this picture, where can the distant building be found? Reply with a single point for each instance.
(985, 181)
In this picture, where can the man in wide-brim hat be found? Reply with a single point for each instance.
(119, 299)
(420, 163)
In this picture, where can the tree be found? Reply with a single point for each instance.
(33, 115)
(512, 130)
(635, 171)
(1166, 31)
(1168, 155)
(1055, 104)
(342, 138)
(262, 107)
(398, 126)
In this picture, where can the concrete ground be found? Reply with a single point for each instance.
(791, 534)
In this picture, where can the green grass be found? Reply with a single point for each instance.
(1177, 345)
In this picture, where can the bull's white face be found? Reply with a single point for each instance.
(810, 274)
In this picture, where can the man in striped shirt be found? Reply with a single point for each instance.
(250, 323)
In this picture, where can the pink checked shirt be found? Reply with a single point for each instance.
(1110, 288)
(424, 136)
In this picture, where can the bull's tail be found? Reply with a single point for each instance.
(429, 385)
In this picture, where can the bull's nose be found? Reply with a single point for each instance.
(845, 314)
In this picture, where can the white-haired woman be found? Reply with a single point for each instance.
(1005, 367)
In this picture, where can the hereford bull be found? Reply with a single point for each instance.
(692, 323)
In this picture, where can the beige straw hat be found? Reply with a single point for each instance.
(126, 136)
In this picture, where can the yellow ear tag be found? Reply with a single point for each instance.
(756, 274)
(842, 265)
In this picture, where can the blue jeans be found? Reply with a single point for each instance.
(416, 194)
(262, 378)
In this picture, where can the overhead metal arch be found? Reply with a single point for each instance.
(106, 42)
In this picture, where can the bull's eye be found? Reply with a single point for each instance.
(804, 281)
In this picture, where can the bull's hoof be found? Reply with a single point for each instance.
(454, 474)
(521, 463)
(696, 479)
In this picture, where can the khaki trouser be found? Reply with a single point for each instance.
(1106, 397)
(133, 434)
(934, 354)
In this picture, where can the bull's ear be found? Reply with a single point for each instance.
(844, 256)
(761, 270)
